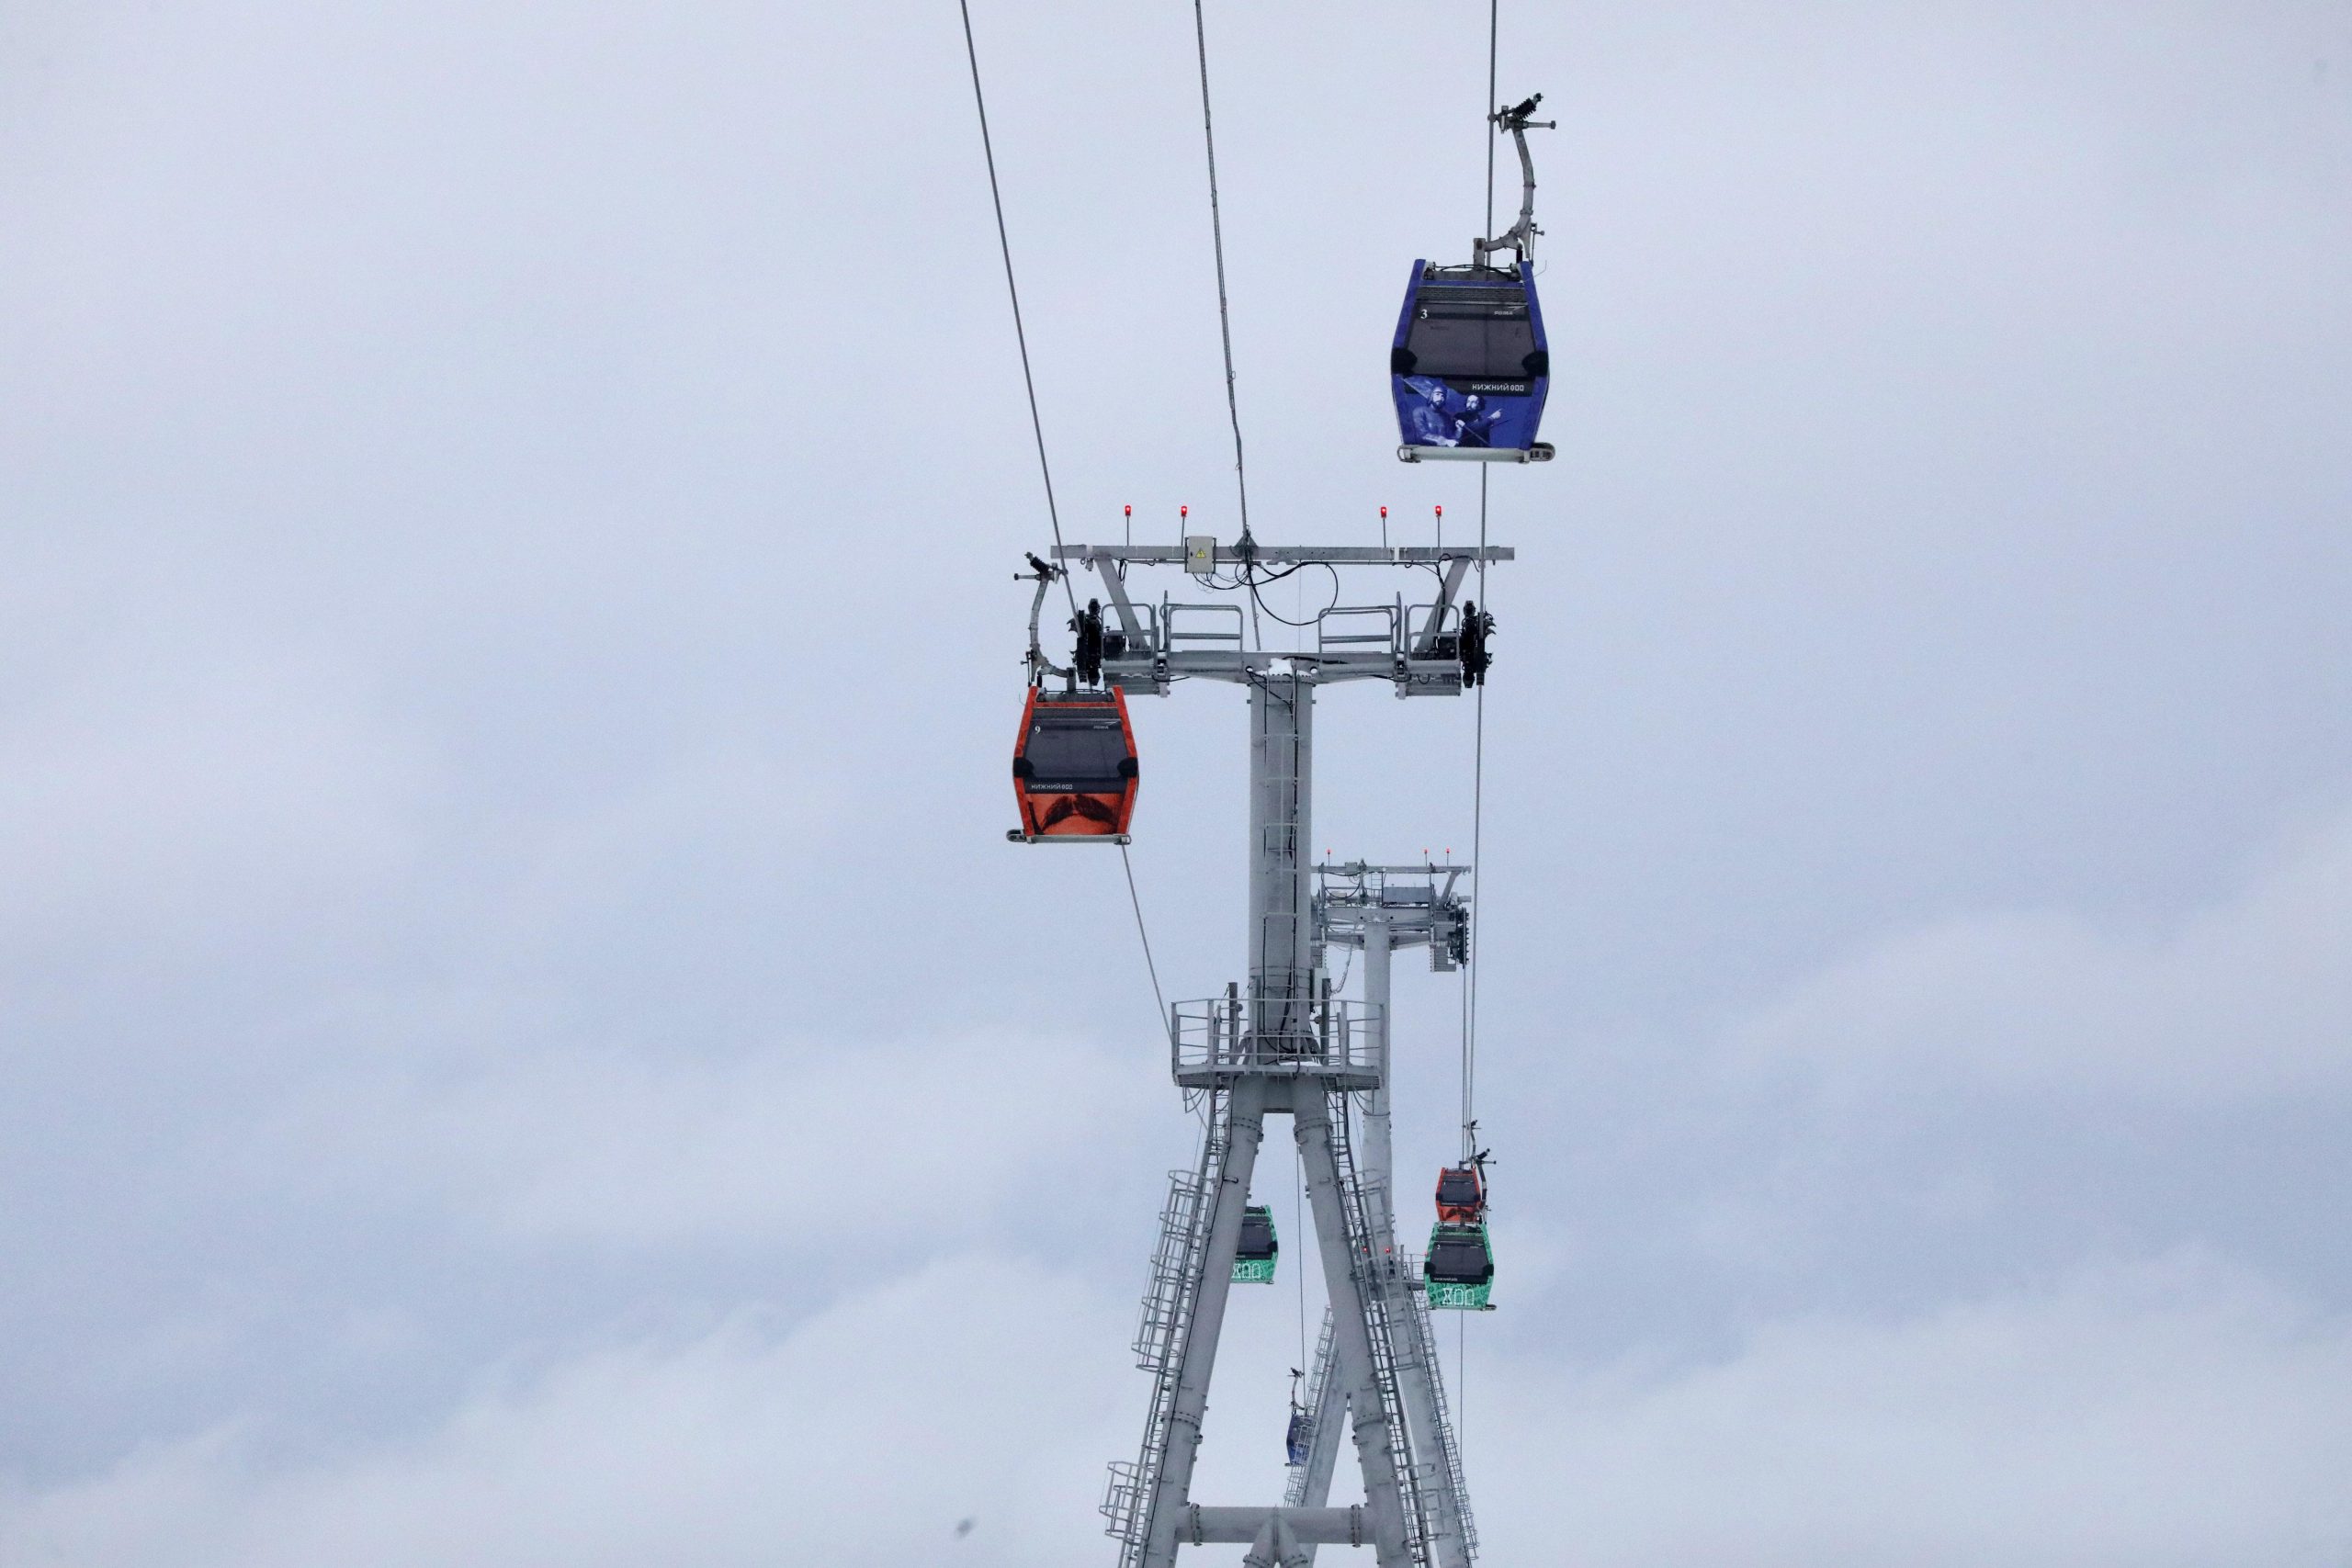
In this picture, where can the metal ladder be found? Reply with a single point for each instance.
(1386, 1298)
(1295, 1494)
(1445, 1469)
(1447, 1460)
(1160, 1330)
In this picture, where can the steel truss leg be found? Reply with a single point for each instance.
(1245, 1126)
(1373, 1342)
(1331, 1385)
(1416, 1372)
(1415, 1376)
(1377, 1448)
(1416, 1379)
(1276, 1547)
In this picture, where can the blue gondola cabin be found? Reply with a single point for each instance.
(1469, 369)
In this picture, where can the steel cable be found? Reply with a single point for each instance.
(1150, 968)
(1217, 236)
(1037, 427)
(1478, 744)
(1019, 333)
(1474, 960)
(1224, 319)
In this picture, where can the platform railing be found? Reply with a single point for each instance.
(1187, 627)
(1216, 1040)
(1353, 630)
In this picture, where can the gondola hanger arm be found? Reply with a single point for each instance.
(1043, 574)
(1520, 238)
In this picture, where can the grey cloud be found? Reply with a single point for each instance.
(2251, 996)
(799, 1145)
(868, 1429)
(507, 656)
(2168, 1411)
(2172, 1411)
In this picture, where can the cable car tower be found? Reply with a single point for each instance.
(1280, 1044)
(1378, 909)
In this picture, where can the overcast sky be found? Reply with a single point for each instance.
(522, 1042)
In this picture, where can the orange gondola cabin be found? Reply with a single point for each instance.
(1462, 1195)
(1074, 768)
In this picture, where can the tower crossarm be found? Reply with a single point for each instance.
(1286, 555)
(1149, 643)
(1411, 906)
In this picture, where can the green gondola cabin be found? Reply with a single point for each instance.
(1460, 1271)
(1253, 1261)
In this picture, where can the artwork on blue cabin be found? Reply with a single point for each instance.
(1444, 417)
(1296, 1441)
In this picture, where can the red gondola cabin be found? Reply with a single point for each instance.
(1074, 767)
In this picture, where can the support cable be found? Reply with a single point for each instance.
(1298, 1229)
(1159, 998)
(1494, 9)
(1478, 747)
(1019, 333)
(1216, 235)
(1149, 967)
(1224, 318)
(1478, 810)
(1045, 469)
